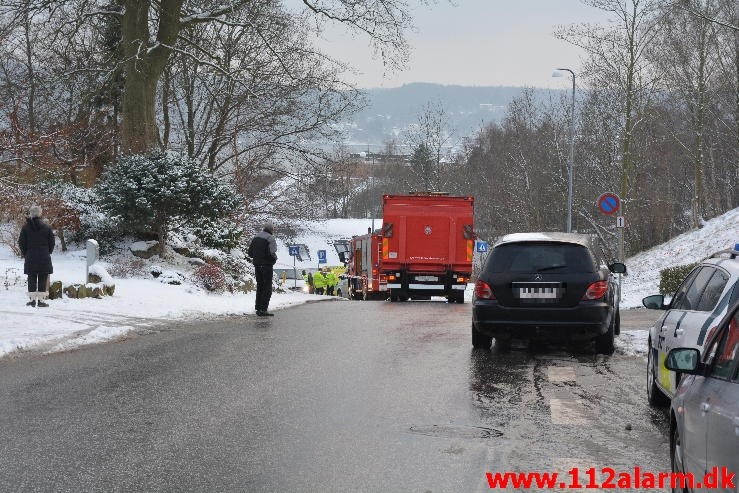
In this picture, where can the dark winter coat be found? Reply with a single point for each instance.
(36, 242)
(263, 249)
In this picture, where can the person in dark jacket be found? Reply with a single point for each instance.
(263, 253)
(36, 242)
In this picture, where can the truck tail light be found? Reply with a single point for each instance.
(391, 277)
(596, 291)
(484, 291)
(462, 279)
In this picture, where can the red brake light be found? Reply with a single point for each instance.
(484, 291)
(596, 291)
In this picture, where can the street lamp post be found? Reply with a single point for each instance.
(558, 73)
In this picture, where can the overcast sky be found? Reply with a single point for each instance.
(476, 43)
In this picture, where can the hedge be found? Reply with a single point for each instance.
(671, 278)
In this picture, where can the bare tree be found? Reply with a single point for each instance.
(616, 60)
(430, 140)
(152, 31)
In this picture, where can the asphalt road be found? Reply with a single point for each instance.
(332, 396)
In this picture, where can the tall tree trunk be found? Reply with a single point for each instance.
(144, 66)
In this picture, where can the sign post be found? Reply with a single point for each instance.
(610, 204)
(321, 257)
(294, 251)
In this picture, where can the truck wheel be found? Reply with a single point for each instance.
(480, 341)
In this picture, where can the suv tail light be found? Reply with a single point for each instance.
(484, 291)
(596, 291)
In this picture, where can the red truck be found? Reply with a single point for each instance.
(427, 245)
(361, 255)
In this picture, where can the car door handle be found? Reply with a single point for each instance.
(679, 332)
(705, 407)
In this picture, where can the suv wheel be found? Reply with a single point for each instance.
(604, 344)
(617, 328)
(503, 343)
(480, 341)
(654, 395)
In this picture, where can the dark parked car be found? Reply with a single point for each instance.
(704, 415)
(546, 287)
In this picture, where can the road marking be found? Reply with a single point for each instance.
(557, 374)
(567, 412)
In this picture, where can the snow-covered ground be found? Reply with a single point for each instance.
(139, 302)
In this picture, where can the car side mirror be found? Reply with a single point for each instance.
(654, 302)
(617, 268)
(684, 360)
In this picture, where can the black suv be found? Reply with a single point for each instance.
(546, 287)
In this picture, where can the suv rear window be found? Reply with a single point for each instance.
(540, 257)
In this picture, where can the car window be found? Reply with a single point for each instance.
(694, 291)
(541, 257)
(680, 293)
(727, 351)
(712, 293)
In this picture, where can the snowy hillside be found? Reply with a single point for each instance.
(718, 234)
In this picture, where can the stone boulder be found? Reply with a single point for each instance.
(55, 290)
(72, 291)
(145, 249)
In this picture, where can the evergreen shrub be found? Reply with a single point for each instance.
(671, 278)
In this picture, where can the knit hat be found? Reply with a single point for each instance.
(34, 211)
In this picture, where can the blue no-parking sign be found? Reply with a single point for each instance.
(481, 246)
(321, 256)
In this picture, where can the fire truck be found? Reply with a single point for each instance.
(427, 245)
(363, 279)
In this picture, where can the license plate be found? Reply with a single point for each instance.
(539, 293)
(427, 278)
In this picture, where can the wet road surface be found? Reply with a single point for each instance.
(333, 396)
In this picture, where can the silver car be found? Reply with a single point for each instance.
(704, 415)
(699, 303)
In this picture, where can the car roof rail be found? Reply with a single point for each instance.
(729, 253)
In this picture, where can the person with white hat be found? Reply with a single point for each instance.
(36, 242)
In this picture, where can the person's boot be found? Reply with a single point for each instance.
(41, 297)
(32, 296)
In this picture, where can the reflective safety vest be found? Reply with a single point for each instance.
(331, 279)
(318, 280)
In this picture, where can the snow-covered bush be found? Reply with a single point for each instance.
(221, 233)
(159, 193)
(211, 277)
(126, 266)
